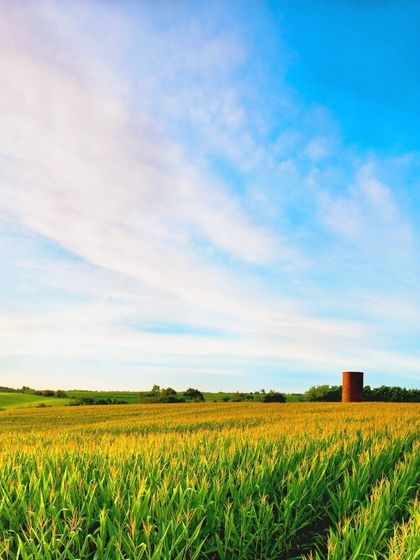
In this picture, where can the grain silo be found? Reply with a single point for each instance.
(352, 386)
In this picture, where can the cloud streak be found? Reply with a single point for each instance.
(115, 165)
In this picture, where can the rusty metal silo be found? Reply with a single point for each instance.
(352, 386)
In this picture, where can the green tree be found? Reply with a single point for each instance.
(324, 393)
(155, 390)
(168, 391)
(274, 396)
(193, 395)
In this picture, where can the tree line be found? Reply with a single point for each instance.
(318, 393)
(169, 395)
(332, 393)
(160, 395)
(44, 393)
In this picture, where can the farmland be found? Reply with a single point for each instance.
(31, 399)
(210, 481)
(13, 400)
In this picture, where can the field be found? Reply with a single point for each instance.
(241, 481)
(131, 397)
(13, 400)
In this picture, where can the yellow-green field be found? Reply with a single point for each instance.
(210, 481)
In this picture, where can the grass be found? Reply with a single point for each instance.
(13, 400)
(130, 396)
(210, 482)
(219, 397)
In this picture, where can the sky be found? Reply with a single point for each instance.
(224, 195)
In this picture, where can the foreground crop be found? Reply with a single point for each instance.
(204, 481)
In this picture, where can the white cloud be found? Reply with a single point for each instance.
(101, 174)
(369, 217)
(318, 148)
(80, 170)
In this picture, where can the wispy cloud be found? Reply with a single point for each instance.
(124, 164)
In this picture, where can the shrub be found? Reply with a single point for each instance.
(324, 393)
(160, 395)
(89, 401)
(193, 395)
(274, 396)
(45, 393)
(10, 390)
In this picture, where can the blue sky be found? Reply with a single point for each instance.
(224, 195)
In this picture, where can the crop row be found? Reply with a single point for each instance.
(247, 482)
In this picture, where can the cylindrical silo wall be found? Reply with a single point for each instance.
(352, 386)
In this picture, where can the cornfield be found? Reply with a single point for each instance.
(210, 481)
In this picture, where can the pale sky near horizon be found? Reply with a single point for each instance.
(214, 194)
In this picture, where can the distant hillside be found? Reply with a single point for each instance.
(132, 397)
(16, 400)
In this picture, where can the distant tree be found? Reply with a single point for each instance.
(161, 395)
(172, 398)
(193, 395)
(327, 393)
(61, 394)
(324, 393)
(274, 396)
(316, 393)
(9, 390)
(391, 394)
(167, 391)
(46, 393)
(26, 389)
(89, 401)
(86, 401)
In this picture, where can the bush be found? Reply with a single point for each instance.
(158, 395)
(323, 393)
(89, 401)
(274, 396)
(171, 398)
(193, 395)
(45, 393)
(10, 390)
(26, 389)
